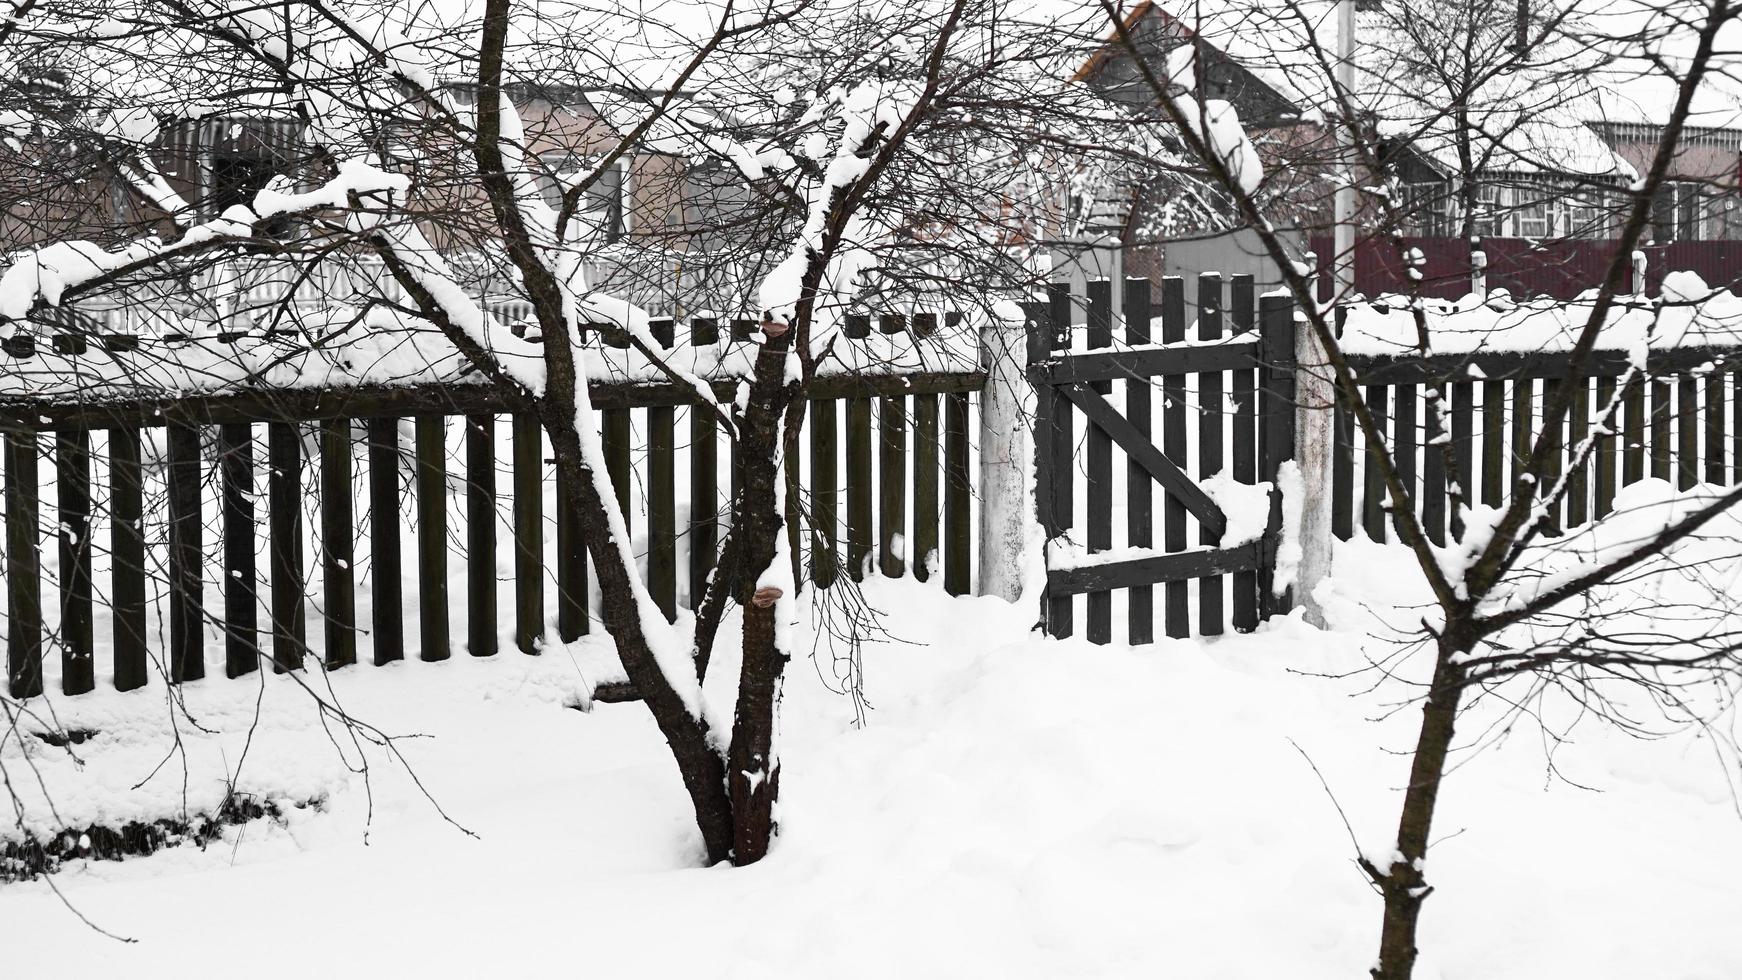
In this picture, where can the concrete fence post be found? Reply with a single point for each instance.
(1005, 460)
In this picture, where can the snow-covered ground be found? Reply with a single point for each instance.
(1014, 807)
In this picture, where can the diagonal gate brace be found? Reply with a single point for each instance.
(1140, 449)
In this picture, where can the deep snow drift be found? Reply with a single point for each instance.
(1013, 808)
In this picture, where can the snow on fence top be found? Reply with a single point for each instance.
(333, 350)
(1687, 314)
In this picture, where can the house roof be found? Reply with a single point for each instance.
(1603, 67)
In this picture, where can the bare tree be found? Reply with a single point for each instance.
(1516, 611)
(852, 156)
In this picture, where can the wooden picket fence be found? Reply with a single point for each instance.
(1226, 395)
(1686, 428)
(213, 447)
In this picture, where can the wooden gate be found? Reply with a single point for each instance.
(1235, 381)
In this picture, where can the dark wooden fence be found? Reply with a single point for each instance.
(388, 446)
(1681, 422)
(1561, 269)
(1222, 399)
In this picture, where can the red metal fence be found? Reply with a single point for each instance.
(1523, 267)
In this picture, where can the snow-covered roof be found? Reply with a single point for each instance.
(1606, 62)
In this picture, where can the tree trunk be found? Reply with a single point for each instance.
(1403, 884)
(752, 761)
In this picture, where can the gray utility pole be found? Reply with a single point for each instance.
(1344, 242)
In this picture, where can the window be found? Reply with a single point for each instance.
(1676, 212)
(1490, 211)
(1532, 214)
(605, 204)
(1428, 208)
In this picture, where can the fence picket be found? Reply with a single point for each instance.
(1210, 608)
(187, 635)
(528, 532)
(891, 484)
(241, 578)
(1687, 432)
(824, 492)
(338, 551)
(481, 535)
(925, 485)
(1660, 432)
(571, 565)
(958, 535)
(1099, 334)
(1493, 443)
(385, 560)
(1139, 492)
(1603, 459)
(127, 561)
(704, 477)
(1242, 312)
(1715, 441)
(858, 486)
(1633, 428)
(432, 537)
(285, 501)
(1372, 481)
(1463, 481)
(1578, 478)
(1175, 596)
(73, 504)
(1433, 464)
(23, 568)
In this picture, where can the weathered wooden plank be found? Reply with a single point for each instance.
(1155, 462)
(465, 397)
(1175, 504)
(1099, 468)
(529, 532)
(1716, 443)
(1373, 491)
(1578, 478)
(386, 571)
(571, 567)
(1551, 477)
(1661, 414)
(1342, 469)
(23, 568)
(1603, 459)
(1210, 604)
(1493, 442)
(958, 533)
(1393, 369)
(187, 634)
(1060, 614)
(285, 502)
(1523, 417)
(825, 491)
(1277, 411)
(338, 545)
(1463, 457)
(891, 484)
(127, 557)
(1633, 432)
(481, 535)
(859, 529)
(73, 507)
(1139, 495)
(1231, 355)
(432, 537)
(1242, 316)
(1405, 434)
(925, 486)
(1687, 431)
(704, 479)
(1169, 567)
(241, 577)
(1433, 465)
